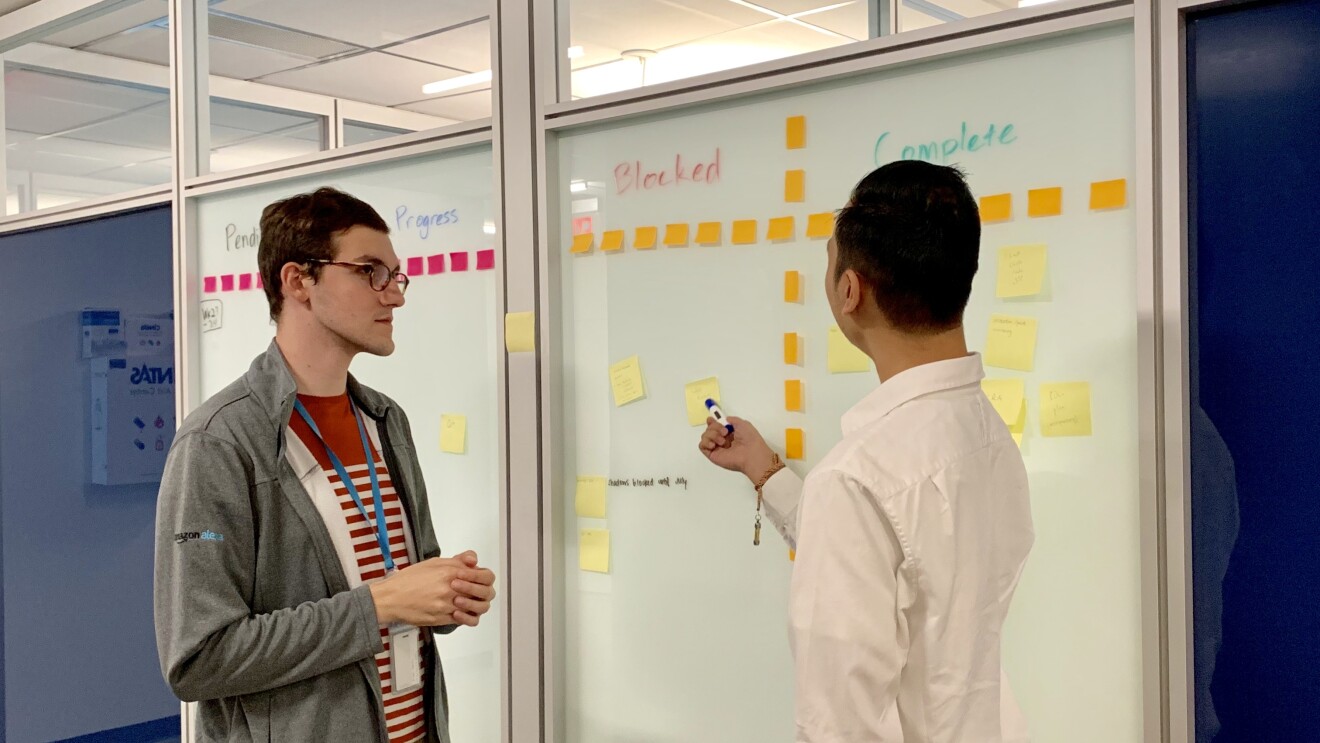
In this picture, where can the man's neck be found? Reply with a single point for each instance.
(894, 352)
(319, 366)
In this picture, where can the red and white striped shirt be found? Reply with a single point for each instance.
(405, 713)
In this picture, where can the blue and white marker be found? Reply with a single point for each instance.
(718, 415)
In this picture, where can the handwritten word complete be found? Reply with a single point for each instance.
(651, 482)
(942, 150)
(633, 176)
(423, 222)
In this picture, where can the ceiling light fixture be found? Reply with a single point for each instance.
(454, 83)
(1029, 3)
(574, 52)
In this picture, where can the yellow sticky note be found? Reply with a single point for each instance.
(590, 500)
(626, 381)
(1018, 425)
(842, 356)
(1017, 439)
(611, 241)
(582, 243)
(644, 238)
(792, 286)
(1109, 194)
(744, 231)
(792, 348)
(696, 394)
(1021, 271)
(594, 550)
(1011, 342)
(793, 395)
(820, 225)
(1065, 409)
(793, 445)
(781, 228)
(453, 433)
(1007, 396)
(997, 208)
(520, 332)
(795, 185)
(795, 130)
(708, 233)
(1045, 202)
(676, 235)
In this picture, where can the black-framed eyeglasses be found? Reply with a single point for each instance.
(378, 274)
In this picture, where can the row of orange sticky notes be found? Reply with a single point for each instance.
(1048, 202)
(744, 232)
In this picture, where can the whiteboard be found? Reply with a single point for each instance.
(684, 639)
(445, 362)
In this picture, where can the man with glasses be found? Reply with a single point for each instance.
(298, 579)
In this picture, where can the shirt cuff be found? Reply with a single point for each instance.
(781, 495)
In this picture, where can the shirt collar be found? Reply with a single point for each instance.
(911, 384)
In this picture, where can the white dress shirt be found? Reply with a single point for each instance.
(911, 535)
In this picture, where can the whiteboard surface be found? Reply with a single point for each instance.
(445, 363)
(684, 640)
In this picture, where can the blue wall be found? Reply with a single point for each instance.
(1254, 103)
(79, 653)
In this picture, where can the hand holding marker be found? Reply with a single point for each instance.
(718, 415)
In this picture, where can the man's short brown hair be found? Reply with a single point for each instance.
(302, 228)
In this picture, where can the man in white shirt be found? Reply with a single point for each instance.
(911, 534)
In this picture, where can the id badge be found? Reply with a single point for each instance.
(405, 659)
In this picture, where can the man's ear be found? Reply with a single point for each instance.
(850, 290)
(294, 282)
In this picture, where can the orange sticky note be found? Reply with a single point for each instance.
(1109, 194)
(792, 348)
(793, 443)
(795, 185)
(997, 208)
(676, 235)
(708, 233)
(792, 286)
(820, 225)
(644, 238)
(744, 231)
(1045, 202)
(611, 241)
(582, 243)
(795, 130)
(781, 228)
(793, 394)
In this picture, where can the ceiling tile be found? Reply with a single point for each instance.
(376, 78)
(109, 24)
(144, 45)
(367, 23)
(461, 107)
(243, 62)
(467, 48)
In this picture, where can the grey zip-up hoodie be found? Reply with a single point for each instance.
(254, 616)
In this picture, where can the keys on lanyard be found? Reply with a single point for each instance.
(382, 529)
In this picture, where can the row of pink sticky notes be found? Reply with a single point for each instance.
(415, 266)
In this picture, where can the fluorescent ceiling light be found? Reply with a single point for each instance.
(577, 186)
(488, 228)
(576, 51)
(1029, 3)
(454, 83)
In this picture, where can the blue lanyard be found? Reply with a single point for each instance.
(382, 529)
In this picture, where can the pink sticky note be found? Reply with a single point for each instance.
(245, 282)
(435, 263)
(260, 283)
(415, 265)
(227, 282)
(208, 285)
(458, 261)
(485, 260)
